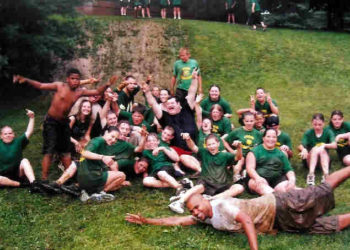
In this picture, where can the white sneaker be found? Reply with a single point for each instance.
(84, 196)
(101, 197)
(310, 180)
(177, 207)
(186, 183)
(178, 196)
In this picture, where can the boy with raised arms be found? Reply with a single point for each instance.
(56, 131)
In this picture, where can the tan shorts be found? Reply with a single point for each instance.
(301, 210)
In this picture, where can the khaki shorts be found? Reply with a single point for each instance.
(301, 210)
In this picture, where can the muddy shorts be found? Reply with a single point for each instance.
(302, 210)
(56, 136)
(211, 188)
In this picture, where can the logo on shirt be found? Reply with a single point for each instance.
(186, 73)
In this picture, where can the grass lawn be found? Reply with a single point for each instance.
(305, 72)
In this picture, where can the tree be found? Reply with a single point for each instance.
(32, 39)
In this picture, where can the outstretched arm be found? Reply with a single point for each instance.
(249, 229)
(157, 109)
(273, 107)
(169, 221)
(90, 81)
(101, 89)
(30, 127)
(38, 85)
(192, 91)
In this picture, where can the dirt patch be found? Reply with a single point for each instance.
(134, 47)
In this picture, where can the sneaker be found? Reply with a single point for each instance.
(179, 18)
(50, 187)
(178, 196)
(180, 191)
(84, 196)
(34, 187)
(101, 197)
(310, 180)
(177, 207)
(186, 183)
(72, 189)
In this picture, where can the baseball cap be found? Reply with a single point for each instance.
(272, 121)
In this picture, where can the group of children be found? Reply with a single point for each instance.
(144, 6)
(175, 133)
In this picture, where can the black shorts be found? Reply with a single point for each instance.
(342, 152)
(56, 136)
(302, 210)
(162, 6)
(169, 169)
(211, 188)
(12, 173)
(255, 18)
(177, 5)
(230, 10)
(124, 4)
(146, 6)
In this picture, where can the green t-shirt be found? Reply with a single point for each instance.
(310, 139)
(249, 139)
(271, 164)
(125, 102)
(176, 2)
(183, 73)
(214, 167)
(229, 3)
(222, 126)
(164, 2)
(157, 161)
(207, 103)
(257, 5)
(345, 128)
(201, 141)
(264, 108)
(283, 139)
(92, 174)
(11, 153)
(137, 3)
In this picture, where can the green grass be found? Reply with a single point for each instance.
(305, 72)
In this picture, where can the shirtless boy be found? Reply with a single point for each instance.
(56, 131)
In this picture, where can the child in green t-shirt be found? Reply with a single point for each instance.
(13, 166)
(161, 170)
(177, 9)
(314, 145)
(164, 4)
(341, 130)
